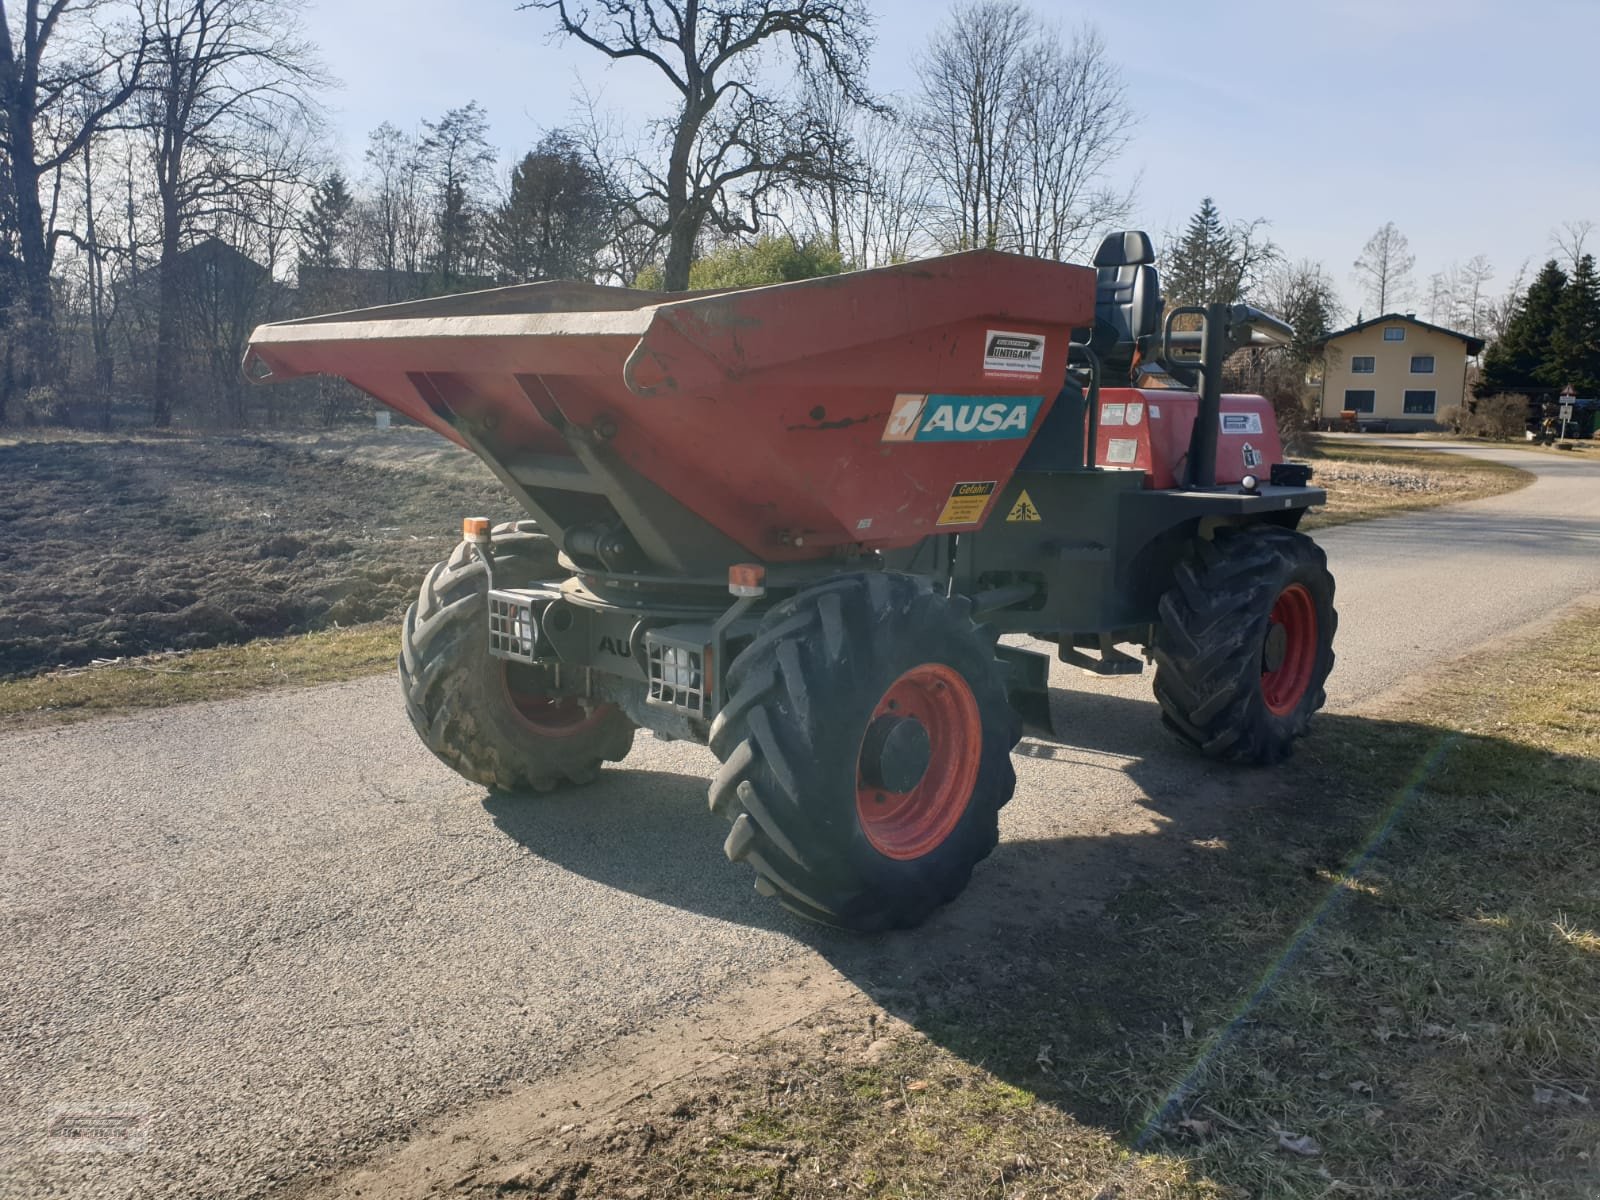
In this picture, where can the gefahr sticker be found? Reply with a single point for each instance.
(1245, 422)
(917, 418)
(967, 502)
(1006, 353)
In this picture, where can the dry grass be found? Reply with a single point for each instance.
(158, 680)
(1384, 981)
(1568, 447)
(1379, 481)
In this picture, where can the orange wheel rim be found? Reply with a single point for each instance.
(1289, 655)
(551, 716)
(918, 762)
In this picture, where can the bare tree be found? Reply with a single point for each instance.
(823, 200)
(1569, 240)
(1442, 294)
(872, 205)
(1073, 123)
(391, 221)
(221, 73)
(1384, 268)
(98, 295)
(1019, 130)
(1499, 310)
(886, 218)
(456, 156)
(967, 117)
(10, 289)
(1302, 293)
(732, 141)
(633, 240)
(1472, 299)
(66, 67)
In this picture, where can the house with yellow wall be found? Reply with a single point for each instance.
(1396, 371)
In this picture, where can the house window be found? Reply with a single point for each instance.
(1363, 364)
(1420, 402)
(1394, 333)
(1359, 400)
(1422, 364)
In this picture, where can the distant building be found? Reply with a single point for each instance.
(1396, 371)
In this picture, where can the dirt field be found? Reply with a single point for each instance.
(112, 547)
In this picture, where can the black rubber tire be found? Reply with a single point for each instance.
(789, 737)
(456, 694)
(1212, 638)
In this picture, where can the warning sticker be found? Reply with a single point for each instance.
(1249, 422)
(1135, 412)
(1113, 414)
(1122, 450)
(1023, 509)
(1007, 353)
(966, 504)
(1252, 457)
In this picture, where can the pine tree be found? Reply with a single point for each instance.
(1197, 268)
(1517, 361)
(1215, 262)
(556, 218)
(327, 223)
(1575, 338)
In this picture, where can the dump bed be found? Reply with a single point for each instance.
(870, 408)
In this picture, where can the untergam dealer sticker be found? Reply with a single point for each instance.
(917, 418)
(1013, 353)
(1245, 422)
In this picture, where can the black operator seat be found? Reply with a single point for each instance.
(1127, 304)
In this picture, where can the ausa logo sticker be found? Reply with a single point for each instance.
(919, 418)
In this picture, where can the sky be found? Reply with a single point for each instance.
(1470, 124)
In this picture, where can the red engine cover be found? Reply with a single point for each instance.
(1149, 431)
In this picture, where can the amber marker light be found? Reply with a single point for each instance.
(747, 579)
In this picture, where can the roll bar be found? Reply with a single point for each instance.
(1224, 328)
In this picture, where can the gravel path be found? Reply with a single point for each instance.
(252, 940)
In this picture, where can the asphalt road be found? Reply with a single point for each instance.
(249, 940)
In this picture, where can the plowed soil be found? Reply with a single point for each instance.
(112, 547)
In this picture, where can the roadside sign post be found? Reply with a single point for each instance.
(1568, 395)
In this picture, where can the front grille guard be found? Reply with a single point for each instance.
(683, 661)
(513, 627)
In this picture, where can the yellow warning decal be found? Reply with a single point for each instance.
(966, 504)
(1023, 509)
